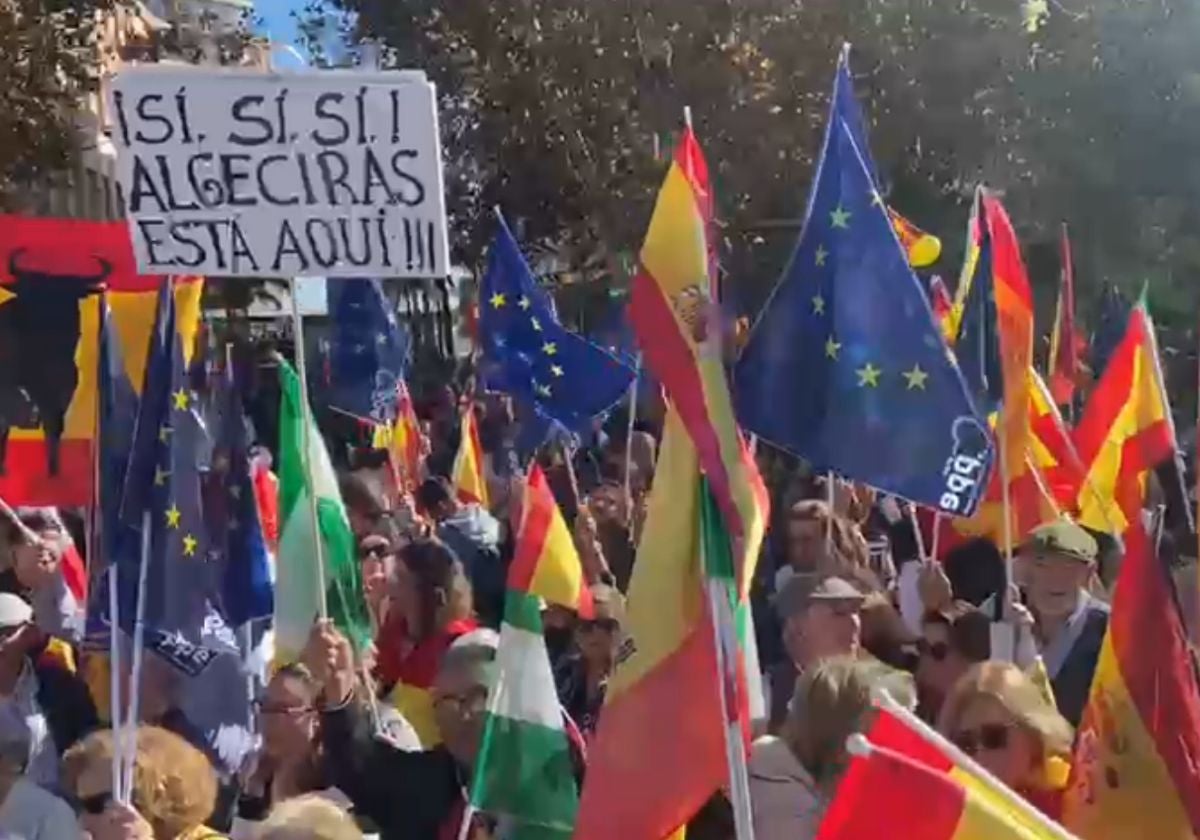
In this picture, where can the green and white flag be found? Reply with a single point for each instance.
(524, 771)
(302, 476)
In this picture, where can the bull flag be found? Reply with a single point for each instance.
(1135, 772)
(671, 654)
(1125, 430)
(674, 310)
(873, 393)
(308, 485)
(1065, 341)
(467, 476)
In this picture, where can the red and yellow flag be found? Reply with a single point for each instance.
(665, 691)
(52, 272)
(470, 483)
(1051, 449)
(545, 562)
(674, 310)
(921, 248)
(1066, 344)
(1136, 769)
(1125, 430)
(402, 441)
(943, 307)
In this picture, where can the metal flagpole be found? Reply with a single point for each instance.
(305, 435)
(135, 671)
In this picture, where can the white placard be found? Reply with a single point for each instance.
(242, 173)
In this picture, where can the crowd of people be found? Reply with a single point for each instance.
(382, 742)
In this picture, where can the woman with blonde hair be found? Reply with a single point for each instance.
(793, 776)
(174, 788)
(998, 716)
(308, 817)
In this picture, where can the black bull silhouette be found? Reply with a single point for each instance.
(39, 331)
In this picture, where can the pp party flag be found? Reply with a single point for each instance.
(368, 349)
(873, 393)
(1110, 327)
(1066, 344)
(524, 766)
(1124, 431)
(527, 353)
(307, 488)
(52, 272)
(675, 312)
(1135, 772)
(470, 483)
(671, 654)
(238, 545)
(545, 563)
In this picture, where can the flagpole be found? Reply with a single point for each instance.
(937, 535)
(135, 670)
(1006, 501)
(829, 501)
(920, 538)
(306, 434)
(633, 391)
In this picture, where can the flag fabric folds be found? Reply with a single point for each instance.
(1124, 431)
(1066, 344)
(545, 563)
(1135, 770)
(527, 353)
(308, 485)
(238, 546)
(401, 438)
(467, 475)
(942, 305)
(872, 391)
(368, 350)
(920, 248)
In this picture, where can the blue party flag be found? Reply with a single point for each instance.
(368, 350)
(527, 353)
(236, 545)
(978, 343)
(846, 366)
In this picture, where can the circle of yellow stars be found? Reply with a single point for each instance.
(499, 300)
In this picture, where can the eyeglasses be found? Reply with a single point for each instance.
(937, 651)
(989, 737)
(474, 700)
(374, 552)
(94, 804)
(608, 625)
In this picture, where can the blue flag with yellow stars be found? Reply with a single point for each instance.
(528, 354)
(846, 366)
(368, 350)
(163, 491)
(237, 545)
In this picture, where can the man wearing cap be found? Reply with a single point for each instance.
(820, 618)
(1056, 564)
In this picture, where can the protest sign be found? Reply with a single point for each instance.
(242, 173)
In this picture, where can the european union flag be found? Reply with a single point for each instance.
(527, 353)
(163, 492)
(368, 350)
(237, 545)
(846, 366)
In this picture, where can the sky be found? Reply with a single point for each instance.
(276, 21)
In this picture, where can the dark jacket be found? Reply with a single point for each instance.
(65, 701)
(1073, 681)
(409, 795)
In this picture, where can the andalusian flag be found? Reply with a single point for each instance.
(674, 309)
(524, 767)
(666, 692)
(1135, 764)
(469, 481)
(1125, 430)
(305, 472)
(907, 786)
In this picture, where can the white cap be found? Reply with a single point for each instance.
(14, 611)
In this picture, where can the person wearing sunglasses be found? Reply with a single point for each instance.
(582, 679)
(999, 717)
(953, 638)
(27, 811)
(376, 560)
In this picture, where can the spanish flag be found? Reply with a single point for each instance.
(1125, 430)
(665, 692)
(401, 439)
(674, 310)
(545, 563)
(469, 481)
(1051, 448)
(1066, 344)
(1136, 770)
(921, 248)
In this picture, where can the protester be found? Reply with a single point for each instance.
(36, 573)
(308, 818)
(430, 605)
(376, 561)
(27, 811)
(52, 703)
(793, 776)
(607, 512)
(998, 716)
(820, 542)
(1056, 564)
(582, 679)
(174, 788)
(953, 639)
(364, 506)
(473, 535)
(820, 618)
